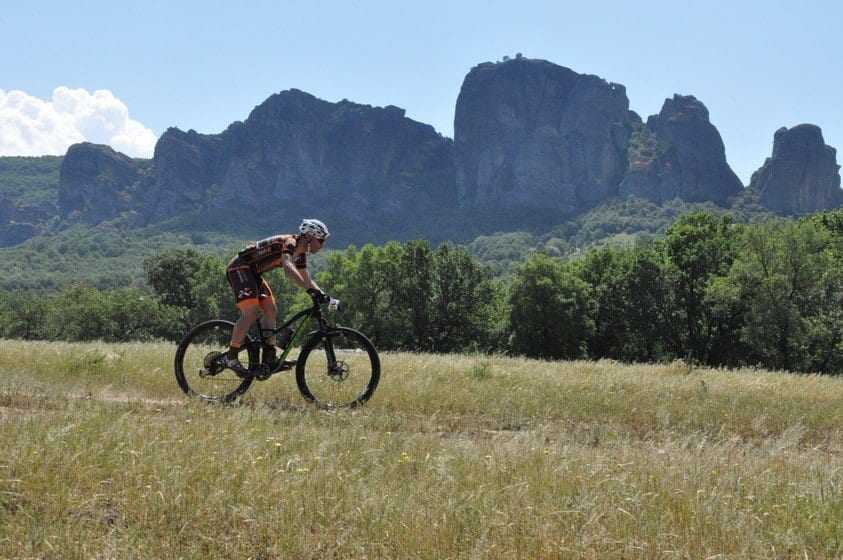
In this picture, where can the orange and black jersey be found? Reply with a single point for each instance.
(268, 253)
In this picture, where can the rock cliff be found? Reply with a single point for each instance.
(96, 183)
(802, 175)
(679, 154)
(186, 166)
(533, 138)
(17, 224)
(534, 145)
(371, 168)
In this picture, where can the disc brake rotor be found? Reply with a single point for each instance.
(339, 371)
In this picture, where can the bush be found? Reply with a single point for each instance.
(551, 311)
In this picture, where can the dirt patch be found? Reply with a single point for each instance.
(125, 398)
(10, 413)
(135, 399)
(105, 513)
(17, 407)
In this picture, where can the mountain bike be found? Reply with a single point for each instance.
(336, 367)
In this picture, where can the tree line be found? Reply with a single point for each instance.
(710, 291)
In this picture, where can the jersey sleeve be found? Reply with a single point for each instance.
(290, 249)
(271, 252)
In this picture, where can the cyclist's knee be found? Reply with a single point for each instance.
(269, 308)
(249, 312)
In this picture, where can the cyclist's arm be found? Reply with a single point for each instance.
(310, 282)
(300, 276)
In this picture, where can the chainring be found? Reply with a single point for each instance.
(212, 364)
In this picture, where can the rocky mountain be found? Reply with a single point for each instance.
(534, 139)
(11, 231)
(97, 183)
(371, 168)
(802, 176)
(535, 144)
(680, 154)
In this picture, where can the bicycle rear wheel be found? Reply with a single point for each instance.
(338, 369)
(196, 366)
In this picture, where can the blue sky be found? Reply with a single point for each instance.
(757, 66)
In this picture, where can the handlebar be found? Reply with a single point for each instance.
(324, 299)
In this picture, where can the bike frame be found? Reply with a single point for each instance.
(306, 315)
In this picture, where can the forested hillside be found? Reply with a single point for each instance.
(29, 180)
(111, 254)
(710, 290)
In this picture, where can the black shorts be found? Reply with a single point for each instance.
(248, 286)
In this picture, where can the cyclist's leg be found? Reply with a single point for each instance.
(249, 311)
(244, 284)
(269, 312)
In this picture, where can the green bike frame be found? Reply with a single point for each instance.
(307, 315)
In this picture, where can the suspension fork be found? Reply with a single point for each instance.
(327, 342)
(329, 351)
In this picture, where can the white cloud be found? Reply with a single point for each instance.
(30, 126)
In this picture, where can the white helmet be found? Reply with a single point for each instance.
(314, 227)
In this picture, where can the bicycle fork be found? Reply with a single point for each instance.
(337, 369)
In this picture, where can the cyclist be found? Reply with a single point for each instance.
(253, 295)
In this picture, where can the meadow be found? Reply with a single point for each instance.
(455, 456)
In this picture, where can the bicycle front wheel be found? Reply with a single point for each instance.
(338, 369)
(196, 367)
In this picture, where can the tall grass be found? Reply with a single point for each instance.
(454, 457)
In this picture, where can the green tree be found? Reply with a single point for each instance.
(411, 297)
(337, 278)
(25, 314)
(461, 301)
(172, 273)
(603, 270)
(727, 304)
(372, 294)
(83, 313)
(631, 302)
(831, 221)
(210, 295)
(788, 290)
(648, 307)
(699, 246)
(551, 310)
(497, 327)
(414, 296)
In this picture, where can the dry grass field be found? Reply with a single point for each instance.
(101, 456)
